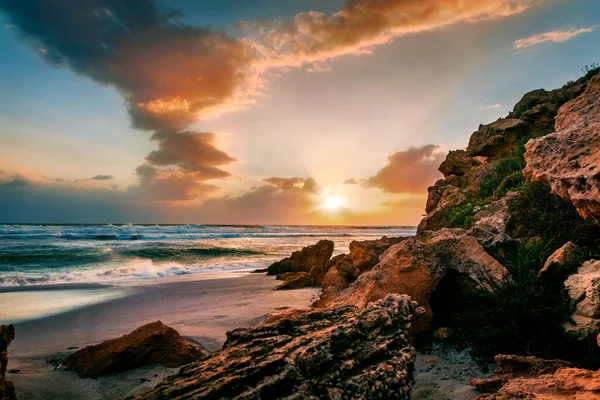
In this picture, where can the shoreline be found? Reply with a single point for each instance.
(201, 310)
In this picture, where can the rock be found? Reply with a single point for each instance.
(303, 260)
(451, 197)
(437, 191)
(318, 272)
(260, 271)
(562, 258)
(416, 266)
(584, 290)
(568, 160)
(489, 225)
(341, 272)
(365, 254)
(295, 280)
(342, 353)
(7, 389)
(457, 162)
(511, 367)
(566, 383)
(148, 344)
(496, 139)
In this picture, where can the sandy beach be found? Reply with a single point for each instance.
(201, 308)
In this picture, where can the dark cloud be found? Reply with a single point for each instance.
(409, 171)
(308, 185)
(102, 178)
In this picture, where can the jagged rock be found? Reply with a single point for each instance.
(565, 383)
(295, 280)
(584, 290)
(512, 366)
(489, 225)
(568, 160)
(7, 389)
(341, 272)
(365, 254)
(416, 265)
(318, 272)
(303, 260)
(149, 344)
(437, 191)
(457, 162)
(496, 139)
(342, 353)
(451, 197)
(567, 255)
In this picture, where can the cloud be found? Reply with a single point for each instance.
(308, 185)
(102, 178)
(351, 181)
(554, 36)
(493, 107)
(409, 171)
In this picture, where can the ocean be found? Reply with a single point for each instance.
(52, 254)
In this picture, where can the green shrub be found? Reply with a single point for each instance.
(497, 173)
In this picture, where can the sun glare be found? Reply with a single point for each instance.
(332, 203)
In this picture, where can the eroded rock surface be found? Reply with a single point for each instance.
(568, 160)
(496, 139)
(295, 280)
(149, 344)
(304, 260)
(565, 256)
(365, 254)
(7, 389)
(341, 353)
(584, 290)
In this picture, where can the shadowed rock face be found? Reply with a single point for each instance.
(584, 291)
(568, 160)
(7, 389)
(342, 353)
(149, 344)
(496, 139)
(304, 260)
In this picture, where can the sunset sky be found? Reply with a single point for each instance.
(263, 111)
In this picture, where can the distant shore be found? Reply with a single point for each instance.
(201, 310)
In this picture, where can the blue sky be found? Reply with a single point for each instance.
(431, 87)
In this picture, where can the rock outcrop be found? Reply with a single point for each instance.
(584, 291)
(7, 389)
(149, 344)
(562, 258)
(295, 280)
(342, 353)
(489, 224)
(365, 254)
(512, 366)
(496, 139)
(304, 260)
(416, 266)
(568, 160)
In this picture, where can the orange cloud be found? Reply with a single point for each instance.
(409, 171)
(554, 36)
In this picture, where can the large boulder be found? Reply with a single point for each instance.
(342, 353)
(457, 162)
(512, 366)
(416, 266)
(496, 139)
(149, 344)
(365, 254)
(7, 389)
(565, 256)
(568, 160)
(489, 224)
(295, 280)
(304, 260)
(584, 291)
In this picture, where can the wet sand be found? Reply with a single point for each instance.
(200, 310)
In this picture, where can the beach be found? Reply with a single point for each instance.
(201, 307)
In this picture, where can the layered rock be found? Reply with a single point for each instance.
(511, 367)
(149, 344)
(342, 353)
(416, 266)
(7, 389)
(584, 291)
(568, 160)
(304, 260)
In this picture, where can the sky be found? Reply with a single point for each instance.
(262, 112)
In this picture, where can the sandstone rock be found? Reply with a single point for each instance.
(584, 290)
(496, 139)
(489, 224)
(565, 383)
(437, 191)
(7, 389)
(512, 366)
(342, 353)
(365, 254)
(416, 265)
(457, 162)
(567, 255)
(568, 160)
(295, 280)
(303, 260)
(451, 197)
(149, 344)
(318, 272)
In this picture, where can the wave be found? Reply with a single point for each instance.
(165, 253)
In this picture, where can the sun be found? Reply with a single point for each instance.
(332, 203)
